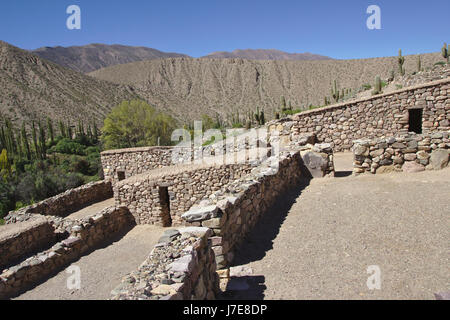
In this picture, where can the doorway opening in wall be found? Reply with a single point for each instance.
(121, 175)
(415, 120)
(164, 201)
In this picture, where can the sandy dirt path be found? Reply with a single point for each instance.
(320, 240)
(101, 270)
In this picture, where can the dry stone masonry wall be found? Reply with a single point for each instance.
(134, 161)
(408, 153)
(19, 241)
(180, 267)
(186, 186)
(65, 203)
(378, 116)
(85, 234)
(232, 211)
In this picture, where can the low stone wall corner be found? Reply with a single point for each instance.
(180, 267)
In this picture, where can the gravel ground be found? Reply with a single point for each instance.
(92, 209)
(320, 240)
(101, 270)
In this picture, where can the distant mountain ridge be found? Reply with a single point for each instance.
(265, 54)
(187, 88)
(33, 88)
(96, 56)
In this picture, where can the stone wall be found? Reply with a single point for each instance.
(186, 186)
(180, 267)
(21, 240)
(134, 161)
(233, 210)
(65, 203)
(84, 236)
(408, 153)
(380, 115)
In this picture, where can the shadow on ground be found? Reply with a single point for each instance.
(257, 243)
(245, 288)
(260, 239)
(342, 174)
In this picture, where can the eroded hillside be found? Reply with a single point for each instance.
(190, 87)
(34, 88)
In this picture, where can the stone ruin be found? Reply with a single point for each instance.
(215, 204)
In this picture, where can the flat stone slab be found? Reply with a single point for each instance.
(201, 213)
(195, 231)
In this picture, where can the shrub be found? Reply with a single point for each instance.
(73, 180)
(134, 124)
(81, 166)
(68, 146)
(7, 201)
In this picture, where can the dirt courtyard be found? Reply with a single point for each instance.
(320, 241)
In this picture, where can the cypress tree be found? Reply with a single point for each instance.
(62, 129)
(50, 130)
(43, 147)
(96, 131)
(69, 131)
(35, 143)
(25, 143)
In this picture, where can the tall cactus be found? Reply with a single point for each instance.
(377, 89)
(419, 64)
(283, 103)
(335, 92)
(445, 51)
(401, 61)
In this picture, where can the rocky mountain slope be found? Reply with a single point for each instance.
(188, 87)
(96, 56)
(265, 54)
(34, 88)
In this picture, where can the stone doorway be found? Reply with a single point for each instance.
(415, 120)
(121, 175)
(164, 201)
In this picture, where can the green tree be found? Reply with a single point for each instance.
(135, 123)
(5, 165)
(50, 130)
(25, 143)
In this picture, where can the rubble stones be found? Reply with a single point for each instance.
(408, 152)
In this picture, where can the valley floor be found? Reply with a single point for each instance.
(319, 242)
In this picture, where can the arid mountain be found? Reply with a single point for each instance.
(96, 56)
(34, 88)
(265, 54)
(189, 87)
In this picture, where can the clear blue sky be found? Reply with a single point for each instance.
(198, 27)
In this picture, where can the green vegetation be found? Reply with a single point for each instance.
(440, 63)
(378, 86)
(419, 64)
(136, 124)
(367, 86)
(445, 49)
(37, 163)
(335, 92)
(401, 61)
